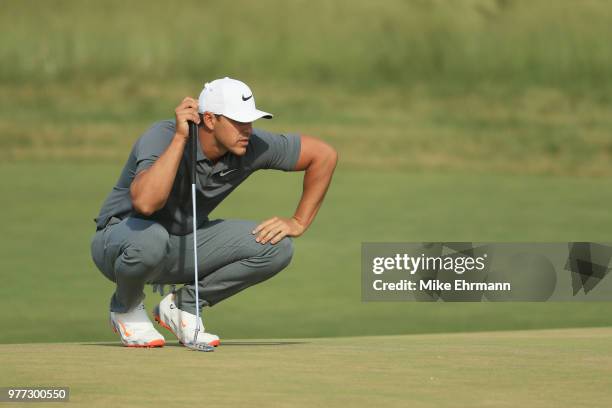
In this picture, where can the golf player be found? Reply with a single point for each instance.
(144, 228)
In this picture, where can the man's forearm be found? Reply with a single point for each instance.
(150, 188)
(318, 160)
(317, 178)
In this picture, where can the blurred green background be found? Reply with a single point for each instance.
(483, 120)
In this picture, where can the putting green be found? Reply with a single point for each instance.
(543, 368)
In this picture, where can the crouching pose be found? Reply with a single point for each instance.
(144, 227)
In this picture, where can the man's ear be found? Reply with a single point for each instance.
(208, 120)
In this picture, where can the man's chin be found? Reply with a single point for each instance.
(239, 151)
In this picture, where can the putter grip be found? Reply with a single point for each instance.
(193, 134)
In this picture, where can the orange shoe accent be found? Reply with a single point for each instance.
(127, 333)
(157, 343)
(154, 343)
(164, 325)
(214, 343)
(183, 325)
(151, 344)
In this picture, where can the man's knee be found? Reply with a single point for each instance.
(145, 252)
(281, 254)
(271, 260)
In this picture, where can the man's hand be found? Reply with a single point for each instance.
(277, 228)
(187, 110)
(151, 187)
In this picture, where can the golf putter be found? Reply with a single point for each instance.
(193, 137)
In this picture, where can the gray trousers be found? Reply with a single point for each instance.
(133, 252)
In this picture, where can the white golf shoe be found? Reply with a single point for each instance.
(135, 328)
(182, 324)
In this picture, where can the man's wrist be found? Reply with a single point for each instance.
(299, 222)
(180, 138)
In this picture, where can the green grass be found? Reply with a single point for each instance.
(56, 294)
(357, 43)
(502, 86)
(538, 369)
(472, 120)
(537, 131)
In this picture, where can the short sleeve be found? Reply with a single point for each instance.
(275, 151)
(152, 144)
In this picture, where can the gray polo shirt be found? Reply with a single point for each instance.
(214, 180)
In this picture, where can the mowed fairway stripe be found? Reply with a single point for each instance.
(543, 368)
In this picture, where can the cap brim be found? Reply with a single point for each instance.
(250, 116)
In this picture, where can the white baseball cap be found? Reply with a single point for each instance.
(230, 98)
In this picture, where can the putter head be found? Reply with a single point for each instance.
(195, 346)
(198, 346)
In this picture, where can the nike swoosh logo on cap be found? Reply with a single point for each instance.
(246, 98)
(226, 172)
